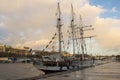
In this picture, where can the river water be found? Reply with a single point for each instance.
(12, 71)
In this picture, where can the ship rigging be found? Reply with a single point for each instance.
(56, 62)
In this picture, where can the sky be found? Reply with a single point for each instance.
(32, 23)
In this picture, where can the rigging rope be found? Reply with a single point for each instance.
(85, 46)
(49, 42)
(63, 41)
(68, 42)
(76, 38)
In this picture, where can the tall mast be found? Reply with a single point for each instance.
(82, 39)
(59, 26)
(72, 28)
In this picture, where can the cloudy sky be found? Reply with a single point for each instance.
(33, 22)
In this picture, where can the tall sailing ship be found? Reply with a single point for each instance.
(56, 62)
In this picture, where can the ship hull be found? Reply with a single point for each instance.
(51, 69)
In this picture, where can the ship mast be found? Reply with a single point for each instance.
(82, 38)
(72, 28)
(59, 26)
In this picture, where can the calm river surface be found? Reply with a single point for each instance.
(12, 71)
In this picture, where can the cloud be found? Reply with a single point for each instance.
(35, 19)
(33, 22)
(114, 10)
(34, 44)
(29, 17)
(89, 13)
(17, 5)
(107, 30)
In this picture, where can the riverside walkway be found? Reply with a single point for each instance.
(109, 71)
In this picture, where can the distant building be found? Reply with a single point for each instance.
(21, 51)
(2, 48)
(8, 49)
